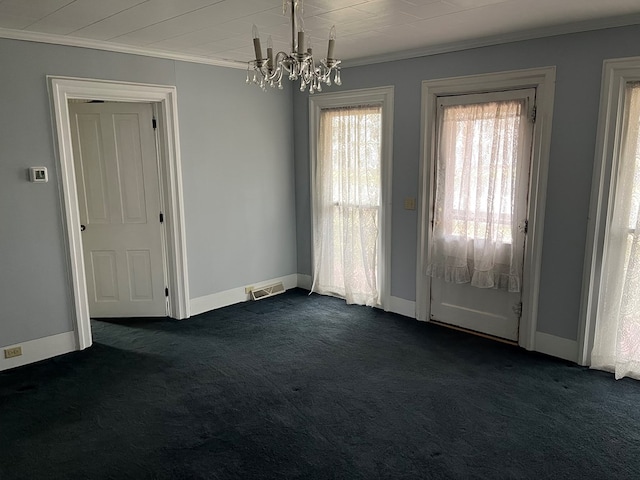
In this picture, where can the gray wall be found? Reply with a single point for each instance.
(237, 154)
(237, 157)
(239, 181)
(578, 58)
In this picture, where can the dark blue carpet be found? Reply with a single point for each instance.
(306, 387)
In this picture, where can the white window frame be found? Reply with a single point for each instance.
(543, 80)
(63, 89)
(382, 96)
(616, 74)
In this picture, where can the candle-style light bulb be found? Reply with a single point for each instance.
(270, 53)
(332, 43)
(256, 45)
(300, 25)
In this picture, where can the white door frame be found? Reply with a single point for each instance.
(63, 89)
(543, 80)
(616, 73)
(367, 96)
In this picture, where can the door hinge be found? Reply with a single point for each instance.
(517, 309)
(533, 114)
(161, 217)
(154, 124)
(166, 291)
(526, 227)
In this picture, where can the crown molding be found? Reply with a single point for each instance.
(114, 47)
(576, 27)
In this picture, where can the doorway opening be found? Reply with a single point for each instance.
(435, 94)
(64, 89)
(483, 153)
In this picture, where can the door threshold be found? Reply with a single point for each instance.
(474, 332)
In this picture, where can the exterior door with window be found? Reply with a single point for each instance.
(118, 185)
(476, 251)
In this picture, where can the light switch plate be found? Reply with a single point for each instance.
(38, 174)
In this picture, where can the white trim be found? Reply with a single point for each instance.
(61, 90)
(616, 73)
(39, 349)
(585, 26)
(406, 308)
(236, 295)
(543, 79)
(556, 346)
(53, 39)
(577, 27)
(305, 281)
(403, 307)
(372, 96)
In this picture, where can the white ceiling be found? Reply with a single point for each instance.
(219, 31)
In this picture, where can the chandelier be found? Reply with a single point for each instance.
(299, 64)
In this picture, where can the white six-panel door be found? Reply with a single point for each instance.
(119, 198)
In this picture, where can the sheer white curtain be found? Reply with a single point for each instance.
(347, 204)
(617, 336)
(478, 169)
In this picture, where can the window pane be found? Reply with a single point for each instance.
(633, 151)
(479, 152)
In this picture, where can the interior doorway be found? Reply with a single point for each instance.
(63, 89)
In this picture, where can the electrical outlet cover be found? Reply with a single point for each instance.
(12, 352)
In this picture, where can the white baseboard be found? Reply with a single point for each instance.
(305, 281)
(397, 305)
(401, 306)
(39, 349)
(236, 295)
(556, 346)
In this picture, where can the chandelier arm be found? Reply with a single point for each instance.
(280, 57)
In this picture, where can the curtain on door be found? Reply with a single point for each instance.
(478, 156)
(617, 335)
(347, 204)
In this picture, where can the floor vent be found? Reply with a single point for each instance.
(268, 291)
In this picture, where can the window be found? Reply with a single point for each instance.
(481, 140)
(351, 143)
(617, 331)
(348, 199)
(482, 174)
